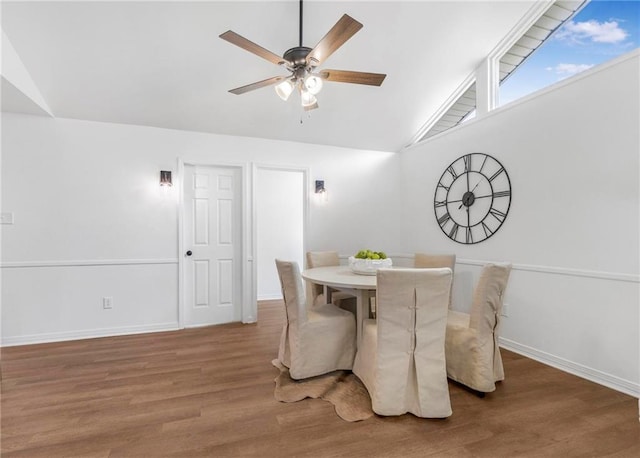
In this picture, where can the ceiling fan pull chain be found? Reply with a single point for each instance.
(302, 113)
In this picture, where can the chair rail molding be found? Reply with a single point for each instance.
(602, 275)
(552, 270)
(87, 262)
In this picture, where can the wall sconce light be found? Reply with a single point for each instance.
(321, 192)
(165, 178)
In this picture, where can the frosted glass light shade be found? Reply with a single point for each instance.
(284, 89)
(313, 84)
(308, 99)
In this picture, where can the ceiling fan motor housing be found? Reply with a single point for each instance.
(297, 56)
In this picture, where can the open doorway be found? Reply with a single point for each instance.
(281, 208)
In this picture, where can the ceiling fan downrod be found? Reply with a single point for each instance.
(300, 40)
(297, 56)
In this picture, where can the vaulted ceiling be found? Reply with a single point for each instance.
(162, 64)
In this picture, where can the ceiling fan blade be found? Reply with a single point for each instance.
(258, 85)
(250, 46)
(345, 28)
(345, 76)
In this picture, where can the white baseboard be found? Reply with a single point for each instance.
(87, 334)
(594, 375)
(270, 297)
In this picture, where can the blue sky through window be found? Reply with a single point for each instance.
(602, 30)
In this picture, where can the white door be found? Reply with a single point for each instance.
(213, 235)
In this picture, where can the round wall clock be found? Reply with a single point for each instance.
(472, 198)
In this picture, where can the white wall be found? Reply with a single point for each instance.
(572, 233)
(280, 224)
(92, 221)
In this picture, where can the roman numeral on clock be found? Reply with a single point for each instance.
(493, 177)
(443, 219)
(467, 162)
(487, 230)
(453, 233)
(497, 214)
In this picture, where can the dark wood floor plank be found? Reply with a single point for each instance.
(209, 392)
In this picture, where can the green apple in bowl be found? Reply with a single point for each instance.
(367, 262)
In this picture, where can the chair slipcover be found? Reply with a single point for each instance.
(430, 261)
(473, 354)
(401, 359)
(315, 340)
(339, 298)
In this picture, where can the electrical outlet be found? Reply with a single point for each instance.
(505, 308)
(107, 302)
(6, 218)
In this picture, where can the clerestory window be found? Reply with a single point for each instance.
(570, 37)
(597, 33)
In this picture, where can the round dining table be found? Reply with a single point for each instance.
(341, 278)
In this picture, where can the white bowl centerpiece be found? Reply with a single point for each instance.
(367, 262)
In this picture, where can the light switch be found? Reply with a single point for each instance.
(6, 218)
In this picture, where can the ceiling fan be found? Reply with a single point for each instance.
(302, 63)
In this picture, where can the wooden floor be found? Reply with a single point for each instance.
(209, 392)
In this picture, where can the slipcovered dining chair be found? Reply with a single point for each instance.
(472, 351)
(315, 340)
(339, 298)
(401, 359)
(430, 261)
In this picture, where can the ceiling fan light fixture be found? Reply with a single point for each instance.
(284, 89)
(308, 99)
(310, 107)
(313, 84)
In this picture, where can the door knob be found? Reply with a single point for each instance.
(189, 253)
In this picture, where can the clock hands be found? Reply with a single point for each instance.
(465, 201)
(474, 188)
(468, 197)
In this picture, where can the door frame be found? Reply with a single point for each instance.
(248, 284)
(256, 166)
